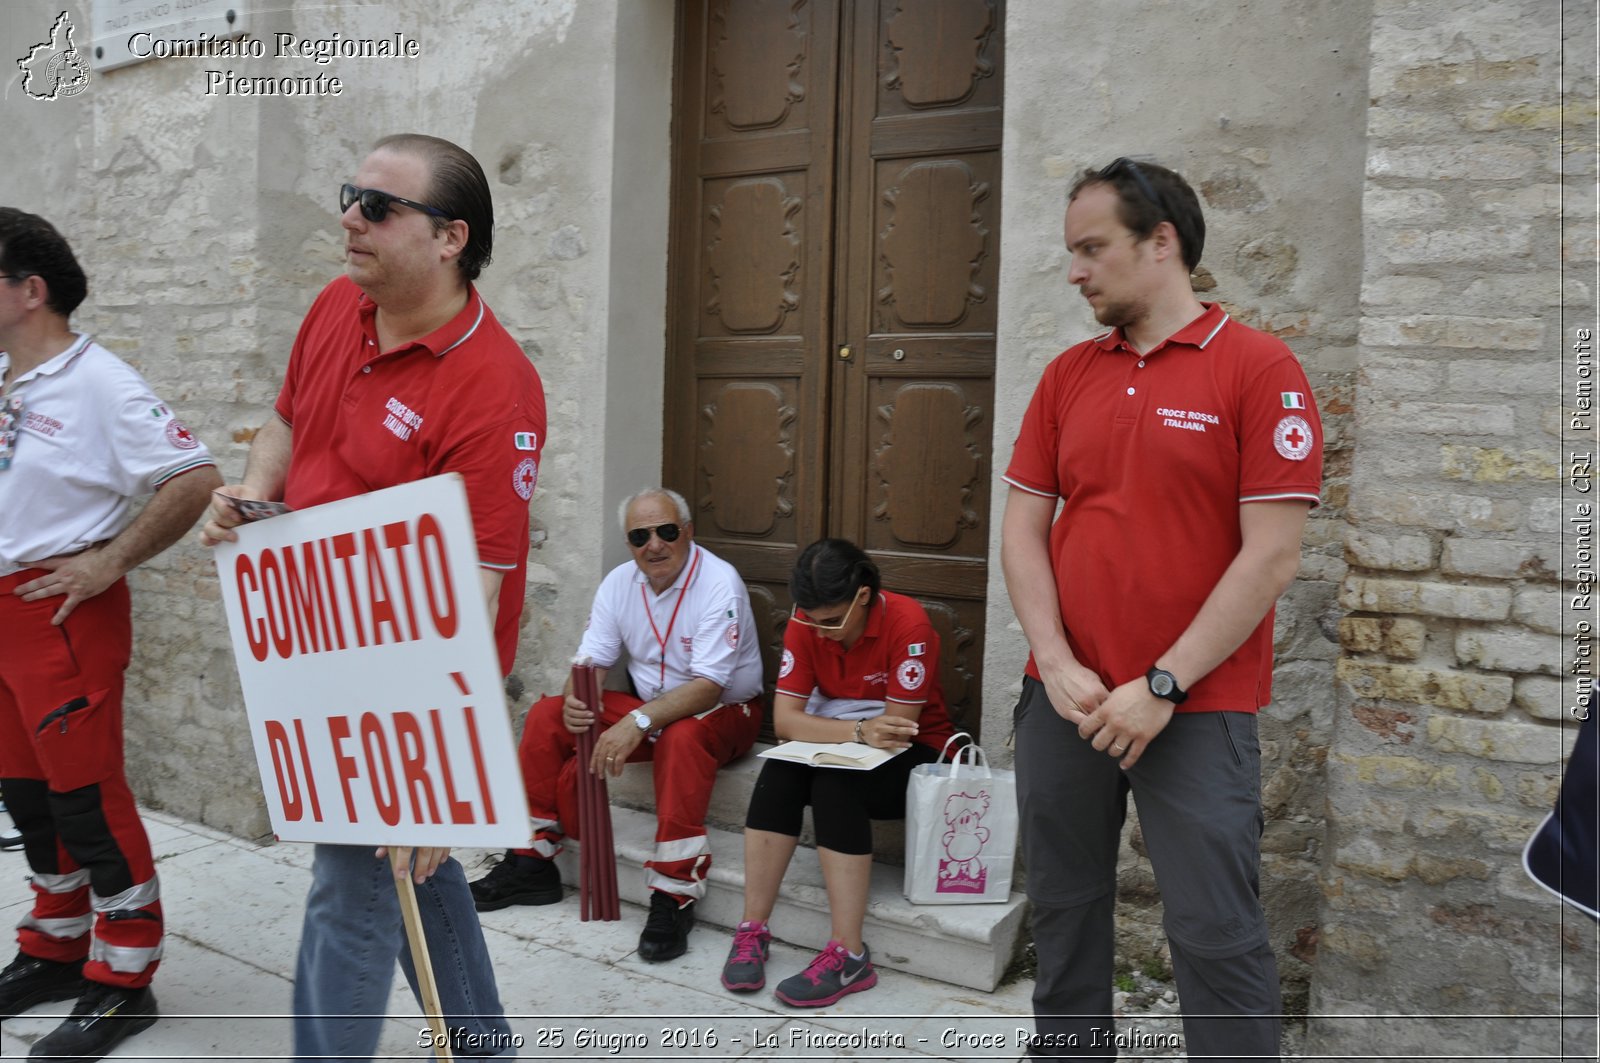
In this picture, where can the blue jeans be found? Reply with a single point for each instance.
(353, 934)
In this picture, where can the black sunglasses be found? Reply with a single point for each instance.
(667, 533)
(1125, 164)
(375, 204)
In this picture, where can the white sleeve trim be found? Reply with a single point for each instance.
(1283, 496)
(1030, 490)
(197, 463)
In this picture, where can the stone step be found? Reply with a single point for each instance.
(731, 797)
(963, 944)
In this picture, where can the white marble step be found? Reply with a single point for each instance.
(963, 944)
(730, 799)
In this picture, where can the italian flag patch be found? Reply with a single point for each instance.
(1293, 400)
(526, 440)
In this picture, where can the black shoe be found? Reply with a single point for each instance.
(666, 928)
(101, 1019)
(10, 840)
(28, 980)
(517, 879)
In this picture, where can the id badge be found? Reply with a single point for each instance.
(10, 428)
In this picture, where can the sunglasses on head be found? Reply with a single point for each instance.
(375, 204)
(1131, 168)
(667, 533)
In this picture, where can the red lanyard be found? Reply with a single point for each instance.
(664, 640)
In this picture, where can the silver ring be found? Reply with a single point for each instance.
(1119, 749)
(611, 758)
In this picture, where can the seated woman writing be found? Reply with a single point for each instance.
(860, 664)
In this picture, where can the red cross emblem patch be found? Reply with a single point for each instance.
(525, 478)
(911, 673)
(181, 437)
(1292, 438)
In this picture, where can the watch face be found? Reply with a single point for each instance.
(1161, 684)
(641, 719)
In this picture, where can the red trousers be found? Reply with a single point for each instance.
(686, 757)
(96, 895)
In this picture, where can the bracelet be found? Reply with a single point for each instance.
(863, 741)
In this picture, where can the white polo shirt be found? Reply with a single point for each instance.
(93, 438)
(698, 628)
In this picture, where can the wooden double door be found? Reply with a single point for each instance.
(833, 297)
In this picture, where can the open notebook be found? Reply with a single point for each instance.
(852, 755)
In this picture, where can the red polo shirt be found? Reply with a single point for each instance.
(1151, 456)
(895, 659)
(462, 399)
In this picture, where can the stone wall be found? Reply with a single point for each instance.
(1452, 718)
(1423, 239)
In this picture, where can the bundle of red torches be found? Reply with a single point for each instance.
(597, 877)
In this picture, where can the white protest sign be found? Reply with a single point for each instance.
(370, 675)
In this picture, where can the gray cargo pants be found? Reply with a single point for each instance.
(1198, 791)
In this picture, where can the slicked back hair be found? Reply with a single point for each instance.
(830, 571)
(457, 186)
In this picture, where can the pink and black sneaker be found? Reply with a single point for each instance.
(833, 974)
(746, 969)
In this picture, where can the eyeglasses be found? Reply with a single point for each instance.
(827, 625)
(667, 533)
(16, 276)
(375, 204)
(1127, 165)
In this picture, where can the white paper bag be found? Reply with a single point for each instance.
(961, 830)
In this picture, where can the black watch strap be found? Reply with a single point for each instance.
(1164, 684)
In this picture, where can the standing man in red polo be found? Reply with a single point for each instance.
(1185, 451)
(401, 372)
(82, 436)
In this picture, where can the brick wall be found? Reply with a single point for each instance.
(1448, 742)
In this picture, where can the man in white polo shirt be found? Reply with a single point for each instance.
(81, 437)
(683, 616)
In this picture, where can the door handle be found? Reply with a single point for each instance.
(845, 353)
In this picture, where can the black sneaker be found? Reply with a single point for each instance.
(666, 928)
(102, 1019)
(10, 840)
(517, 879)
(28, 980)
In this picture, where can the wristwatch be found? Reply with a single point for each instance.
(1164, 684)
(641, 720)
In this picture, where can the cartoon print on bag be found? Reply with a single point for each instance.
(960, 870)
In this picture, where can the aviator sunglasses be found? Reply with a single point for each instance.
(375, 204)
(667, 533)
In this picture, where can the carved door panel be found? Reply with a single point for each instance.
(836, 192)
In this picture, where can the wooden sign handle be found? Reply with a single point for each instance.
(427, 988)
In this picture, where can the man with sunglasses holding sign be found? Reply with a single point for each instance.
(682, 615)
(1185, 452)
(401, 372)
(82, 436)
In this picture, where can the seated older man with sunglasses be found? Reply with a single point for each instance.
(683, 616)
